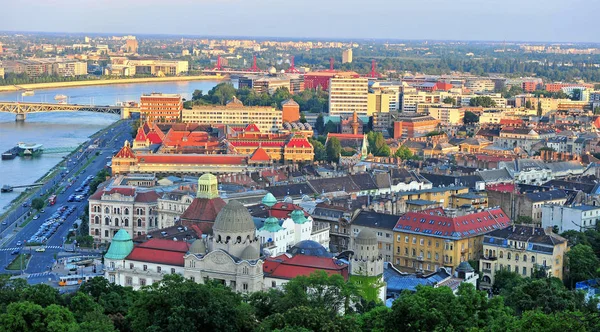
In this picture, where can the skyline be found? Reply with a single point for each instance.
(512, 20)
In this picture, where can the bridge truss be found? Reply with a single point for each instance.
(24, 108)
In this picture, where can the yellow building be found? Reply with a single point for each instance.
(427, 240)
(523, 250)
(348, 95)
(443, 195)
(381, 101)
(447, 115)
(347, 56)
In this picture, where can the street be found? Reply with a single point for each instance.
(41, 262)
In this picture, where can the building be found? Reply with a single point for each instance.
(1, 72)
(556, 87)
(235, 113)
(577, 218)
(522, 249)
(46, 67)
(171, 205)
(347, 56)
(523, 138)
(381, 225)
(320, 79)
(414, 126)
(161, 107)
(348, 95)
(447, 115)
(382, 101)
(480, 85)
(131, 45)
(114, 208)
(427, 240)
(528, 204)
(152, 66)
(290, 111)
(366, 264)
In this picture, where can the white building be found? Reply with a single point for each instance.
(348, 95)
(570, 218)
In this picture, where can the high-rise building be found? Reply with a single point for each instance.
(348, 95)
(131, 45)
(161, 107)
(1, 49)
(347, 56)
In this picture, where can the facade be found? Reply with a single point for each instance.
(161, 107)
(121, 208)
(480, 85)
(427, 240)
(348, 95)
(447, 115)
(235, 113)
(320, 79)
(523, 138)
(523, 250)
(290, 111)
(414, 126)
(366, 265)
(382, 101)
(381, 225)
(171, 205)
(347, 56)
(577, 218)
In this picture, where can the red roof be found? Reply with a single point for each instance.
(442, 86)
(597, 123)
(501, 187)
(298, 142)
(260, 155)
(285, 267)
(258, 143)
(154, 137)
(125, 152)
(252, 127)
(281, 210)
(458, 227)
(147, 196)
(219, 159)
(345, 136)
(160, 251)
(203, 209)
(141, 136)
(511, 122)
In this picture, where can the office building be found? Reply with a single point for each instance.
(348, 95)
(347, 56)
(161, 107)
(480, 85)
(382, 101)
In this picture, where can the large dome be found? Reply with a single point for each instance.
(250, 254)
(234, 218)
(120, 246)
(310, 248)
(198, 247)
(366, 237)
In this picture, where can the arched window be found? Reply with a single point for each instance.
(126, 221)
(116, 221)
(96, 232)
(533, 259)
(139, 222)
(106, 221)
(219, 238)
(508, 256)
(517, 257)
(501, 254)
(106, 210)
(106, 233)
(126, 211)
(96, 220)
(524, 258)
(239, 239)
(227, 239)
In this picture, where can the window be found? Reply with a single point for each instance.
(437, 256)
(533, 259)
(406, 251)
(524, 258)
(112, 278)
(273, 284)
(245, 286)
(158, 269)
(422, 242)
(501, 254)
(142, 282)
(172, 270)
(524, 270)
(139, 223)
(131, 266)
(106, 233)
(406, 239)
(128, 281)
(145, 267)
(193, 279)
(106, 221)
(414, 252)
(508, 256)
(437, 244)
(414, 240)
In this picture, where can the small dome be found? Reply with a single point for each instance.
(298, 217)
(464, 267)
(249, 254)
(310, 248)
(271, 225)
(198, 247)
(234, 218)
(366, 237)
(269, 200)
(120, 246)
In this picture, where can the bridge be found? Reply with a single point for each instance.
(66, 149)
(21, 109)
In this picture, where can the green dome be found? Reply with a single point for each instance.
(269, 200)
(298, 217)
(271, 225)
(120, 246)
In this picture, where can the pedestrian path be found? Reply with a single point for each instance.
(15, 248)
(37, 275)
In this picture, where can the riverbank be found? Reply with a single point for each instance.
(37, 86)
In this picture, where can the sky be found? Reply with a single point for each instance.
(499, 20)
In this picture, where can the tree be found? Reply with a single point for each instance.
(319, 124)
(528, 104)
(377, 145)
(449, 100)
(471, 117)
(403, 153)
(302, 118)
(197, 94)
(582, 263)
(333, 149)
(41, 294)
(222, 93)
(505, 281)
(37, 203)
(548, 295)
(319, 148)
(330, 127)
(483, 101)
(524, 220)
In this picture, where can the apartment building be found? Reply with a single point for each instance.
(577, 218)
(161, 107)
(480, 85)
(348, 95)
(523, 250)
(234, 112)
(414, 126)
(447, 115)
(347, 56)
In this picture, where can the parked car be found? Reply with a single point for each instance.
(40, 249)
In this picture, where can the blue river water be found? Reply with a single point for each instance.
(67, 129)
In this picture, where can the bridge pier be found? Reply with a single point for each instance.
(20, 117)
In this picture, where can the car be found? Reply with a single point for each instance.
(42, 210)
(40, 249)
(19, 244)
(36, 217)
(4, 223)
(15, 252)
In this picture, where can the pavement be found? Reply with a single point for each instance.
(41, 264)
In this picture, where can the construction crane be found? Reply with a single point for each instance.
(374, 73)
(292, 68)
(254, 67)
(218, 66)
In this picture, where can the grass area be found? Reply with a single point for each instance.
(19, 263)
(33, 244)
(30, 218)
(87, 163)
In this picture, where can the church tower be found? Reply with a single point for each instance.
(366, 265)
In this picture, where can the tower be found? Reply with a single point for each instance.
(355, 124)
(366, 265)
(208, 187)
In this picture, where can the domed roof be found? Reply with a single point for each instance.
(250, 253)
(310, 248)
(366, 237)
(271, 225)
(234, 218)
(120, 246)
(198, 247)
(298, 217)
(269, 200)
(464, 267)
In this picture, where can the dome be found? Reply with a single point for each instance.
(464, 267)
(298, 217)
(366, 237)
(271, 225)
(234, 218)
(120, 246)
(250, 253)
(310, 248)
(198, 247)
(269, 200)
(272, 70)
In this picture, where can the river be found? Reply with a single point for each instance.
(67, 129)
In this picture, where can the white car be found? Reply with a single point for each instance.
(40, 249)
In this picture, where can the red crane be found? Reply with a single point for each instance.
(374, 72)
(254, 67)
(218, 66)
(331, 64)
(292, 68)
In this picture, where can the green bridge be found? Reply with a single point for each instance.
(59, 150)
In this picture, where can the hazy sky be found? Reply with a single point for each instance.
(522, 20)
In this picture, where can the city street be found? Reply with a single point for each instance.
(41, 262)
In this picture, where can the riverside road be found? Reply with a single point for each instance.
(40, 265)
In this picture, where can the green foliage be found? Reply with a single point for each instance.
(404, 153)
(330, 127)
(449, 100)
(524, 220)
(483, 101)
(302, 118)
(320, 123)
(528, 104)
(320, 152)
(470, 117)
(333, 149)
(37, 203)
(582, 263)
(98, 179)
(377, 145)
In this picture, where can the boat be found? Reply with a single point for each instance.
(60, 98)
(27, 93)
(6, 189)
(29, 149)
(8, 156)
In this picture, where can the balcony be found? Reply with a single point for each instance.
(489, 271)
(420, 258)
